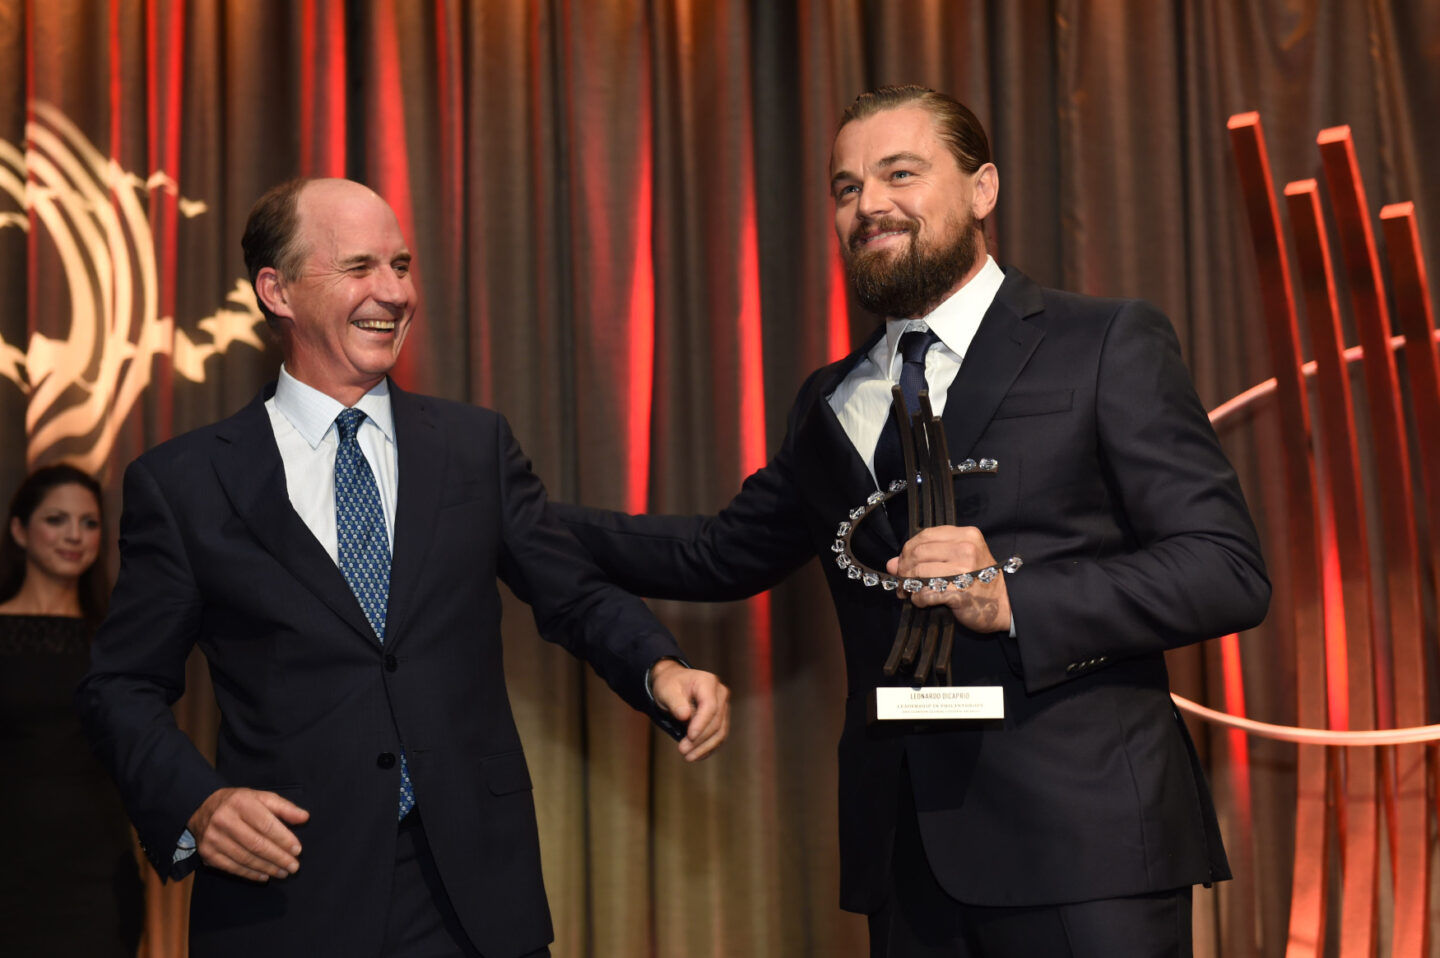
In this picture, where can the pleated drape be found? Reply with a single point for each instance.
(624, 242)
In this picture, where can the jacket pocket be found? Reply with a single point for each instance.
(506, 774)
(1020, 404)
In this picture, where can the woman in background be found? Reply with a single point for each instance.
(69, 882)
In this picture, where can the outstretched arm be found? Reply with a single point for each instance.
(576, 606)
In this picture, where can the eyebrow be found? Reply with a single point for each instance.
(904, 157)
(894, 159)
(357, 259)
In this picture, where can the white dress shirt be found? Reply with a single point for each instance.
(304, 422)
(862, 400)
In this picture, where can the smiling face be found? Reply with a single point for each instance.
(907, 216)
(343, 318)
(61, 539)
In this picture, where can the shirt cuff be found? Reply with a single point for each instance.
(184, 848)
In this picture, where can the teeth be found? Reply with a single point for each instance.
(376, 324)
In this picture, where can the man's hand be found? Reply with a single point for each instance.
(942, 552)
(243, 831)
(697, 698)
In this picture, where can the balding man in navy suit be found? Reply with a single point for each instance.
(334, 548)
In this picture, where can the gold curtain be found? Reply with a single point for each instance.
(624, 243)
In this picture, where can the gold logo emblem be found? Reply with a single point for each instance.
(96, 216)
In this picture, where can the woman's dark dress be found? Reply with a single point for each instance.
(69, 882)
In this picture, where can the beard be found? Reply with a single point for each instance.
(911, 281)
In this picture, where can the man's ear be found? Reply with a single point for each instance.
(271, 289)
(986, 184)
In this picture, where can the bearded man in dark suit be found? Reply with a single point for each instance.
(1078, 823)
(362, 697)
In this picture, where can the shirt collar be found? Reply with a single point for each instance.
(313, 413)
(956, 319)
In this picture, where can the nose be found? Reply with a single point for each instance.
(72, 531)
(873, 201)
(394, 289)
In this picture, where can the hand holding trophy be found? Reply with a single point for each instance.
(925, 636)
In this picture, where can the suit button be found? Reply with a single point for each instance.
(385, 760)
(390, 664)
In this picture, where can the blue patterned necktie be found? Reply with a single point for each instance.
(362, 545)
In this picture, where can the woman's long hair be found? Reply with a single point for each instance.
(94, 586)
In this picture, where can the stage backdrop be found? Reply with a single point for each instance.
(624, 242)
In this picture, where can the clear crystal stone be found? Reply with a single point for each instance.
(844, 529)
(871, 579)
(963, 580)
(888, 583)
(938, 585)
(913, 585)
(897, 485)
(843, 561)
(1013, 563)
(967, 465)
(837, 546)
(989, 465)
(853, 572)
(857, 513)
(987, 574)
(874, 497)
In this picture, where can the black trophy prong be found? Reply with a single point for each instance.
(926, 636)
(931, 626)
(942, 655)
(892, 661)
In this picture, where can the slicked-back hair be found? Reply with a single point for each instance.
(957, 125)
(270, 234)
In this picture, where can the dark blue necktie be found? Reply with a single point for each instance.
(362, 545)
(889, 460)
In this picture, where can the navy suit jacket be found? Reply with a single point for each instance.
(314, 708)
(1114, 490)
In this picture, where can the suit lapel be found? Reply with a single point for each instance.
(248, 467)
(831, 470)
(420, 448)
(1002, 346)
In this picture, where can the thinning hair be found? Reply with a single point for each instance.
(955, 123)
(271, 237)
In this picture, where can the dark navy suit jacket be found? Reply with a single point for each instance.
(1114, 490)
(314, 708)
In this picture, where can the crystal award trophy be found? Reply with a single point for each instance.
(924, 641)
